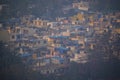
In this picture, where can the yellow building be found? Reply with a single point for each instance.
(78, 17)
(117, 30)
(50, 40)
(38, 22)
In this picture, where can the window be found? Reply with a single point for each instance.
(20, 44)
(18, 36)
(47, 72)
(13, 36)
(25, 31)
(38, 42)
(18, 30)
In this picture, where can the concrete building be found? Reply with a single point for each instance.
(81, 6)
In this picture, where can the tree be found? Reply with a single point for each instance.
(11, 67)
(103, 59)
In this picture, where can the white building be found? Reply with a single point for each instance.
(81, 6)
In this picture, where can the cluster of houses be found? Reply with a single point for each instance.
(43, 43)
(49, 46)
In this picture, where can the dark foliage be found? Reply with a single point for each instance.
(11, 67)
(48, 8)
